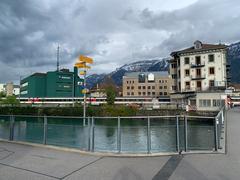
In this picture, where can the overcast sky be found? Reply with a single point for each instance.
(113, 32)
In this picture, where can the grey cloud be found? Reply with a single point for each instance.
(112, 32)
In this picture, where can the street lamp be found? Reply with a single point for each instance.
(82, 64)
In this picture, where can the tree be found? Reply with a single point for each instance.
(12, 100)
(2, 94)
(111, 94)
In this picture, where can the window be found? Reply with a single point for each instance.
(211, 70)
(174, 88)
(165, 93)
(217, 102)
(165, 87)
(153, 87)
(132, 94)
(133, 82)
(160, 81)
(128, 93)
(127, 82)
(174, 76)
(160, 93)
(132, 87)
(211, 58)
(187, 84)
(144, 87)
(139, 87)
(24, 84)
(204, 103)
(187, 72)
(165, 81)
(160, 87)
(141, 78)
(149, 87)
(144, 93)
(186, 60)
(211, 83)
(174, 65)
(149, 93)
(139, 93)
(198, 60)
(153, 93)
(128, 87)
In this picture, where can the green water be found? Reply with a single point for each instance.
(71, 132)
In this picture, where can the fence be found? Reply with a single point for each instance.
(142, 134)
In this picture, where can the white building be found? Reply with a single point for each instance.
(201, 67)
(10, 89)
(2, 89)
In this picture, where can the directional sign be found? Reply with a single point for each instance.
(82, 72)
(82, 65)
(84, 91)
(85, 59)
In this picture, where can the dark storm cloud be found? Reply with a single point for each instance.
(210, 21)
(112, 32)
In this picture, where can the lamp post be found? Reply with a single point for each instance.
(82, 64)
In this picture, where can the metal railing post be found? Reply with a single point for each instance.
(177, 133)
(185, 133)
(222, 116)
(119, 135)
(148, 136)
(84, 121)
(216, 134)
(11, 134)
(89, 134)
(45, 130)
(93, 134)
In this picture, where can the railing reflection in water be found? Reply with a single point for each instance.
(142, 134)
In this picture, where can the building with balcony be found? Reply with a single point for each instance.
(201, 67)
(148, 84)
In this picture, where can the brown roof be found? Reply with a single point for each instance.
(203, 48)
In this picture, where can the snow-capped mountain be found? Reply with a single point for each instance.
(234, 60)
(157, 64)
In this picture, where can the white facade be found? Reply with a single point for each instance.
(213, 101)
(205, 77)
(201, 67)
(16, 91)
(2, 89)
(10, 89)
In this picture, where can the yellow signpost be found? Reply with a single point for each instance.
(82, 64)
(85, 59)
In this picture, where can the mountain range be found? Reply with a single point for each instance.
(234, 59)
(156, 64)
(161, 64)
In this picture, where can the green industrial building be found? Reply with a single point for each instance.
(62, 83)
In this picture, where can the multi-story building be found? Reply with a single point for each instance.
(153, 84)
(10, 89)
(61, 83)
(201, 67)
(2, 89)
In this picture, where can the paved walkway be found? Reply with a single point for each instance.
(24, 162)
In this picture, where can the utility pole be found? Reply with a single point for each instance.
(58, 49)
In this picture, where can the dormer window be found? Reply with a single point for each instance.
(197, 45)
